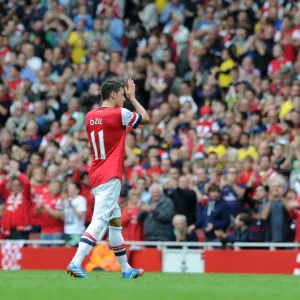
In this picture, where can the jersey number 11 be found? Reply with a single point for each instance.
(102, 153)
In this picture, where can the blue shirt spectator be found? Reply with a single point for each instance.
(170, 8)
(116, 32)
(83, 15)
(215, 215)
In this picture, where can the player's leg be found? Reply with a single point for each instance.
(90, 237)
(118, 245)
(97, 227)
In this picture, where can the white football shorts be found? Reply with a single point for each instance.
(106, 200)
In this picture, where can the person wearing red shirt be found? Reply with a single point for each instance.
(132, 228)
(284, 37)
(39, 191)
(206, 125)
(104, 4)
(15, 82)
(154, 171)
(248, 175)
(51, 213)
(15, 192)
(133, 168)
(106, 129)
(279, 64)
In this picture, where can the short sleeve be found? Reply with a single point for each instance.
(130, 118)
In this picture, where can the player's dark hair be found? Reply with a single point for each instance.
(110, 86)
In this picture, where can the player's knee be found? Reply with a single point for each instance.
(117, 222)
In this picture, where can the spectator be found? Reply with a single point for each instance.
(52, 214)
(255, 206)
(74, 116)
(157, 216)
(15, 191)
(181, 232)
(148, 15)
(31, 137)
(83, 15)
(179, 32)
(17, 122)
(202, 27)
(39, 190)
(232, 192)
(77, 40)
(214, 215)
(240, 233)
(109, 4)
(115, 27)
(276, 212)
(75, 208)
(246, 149)
(141, 186)
(132, 228)
(173, 7)
(184, 200)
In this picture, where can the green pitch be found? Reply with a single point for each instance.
(47, 285)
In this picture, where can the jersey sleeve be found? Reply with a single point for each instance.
(130, 118)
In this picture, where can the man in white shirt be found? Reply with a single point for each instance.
(75, 207)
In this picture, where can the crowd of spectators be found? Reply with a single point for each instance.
(220, 160)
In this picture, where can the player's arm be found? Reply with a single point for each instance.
(130, 93)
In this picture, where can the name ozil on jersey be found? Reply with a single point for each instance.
(97, 121)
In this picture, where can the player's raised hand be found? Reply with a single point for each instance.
(130, 89)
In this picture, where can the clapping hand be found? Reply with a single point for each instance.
(209, 227)
(220, 234)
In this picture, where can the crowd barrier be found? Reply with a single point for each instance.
(259, 258)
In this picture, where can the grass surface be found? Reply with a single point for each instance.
(46, 285)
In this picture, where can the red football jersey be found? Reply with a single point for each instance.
(106, 128)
